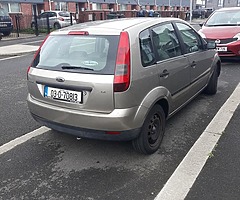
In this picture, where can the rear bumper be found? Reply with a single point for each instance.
(88, 133)
(84, 124)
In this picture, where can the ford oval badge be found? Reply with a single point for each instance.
(60, 79)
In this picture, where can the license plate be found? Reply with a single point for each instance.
(3, 25)
(221, 48)
(63, 95)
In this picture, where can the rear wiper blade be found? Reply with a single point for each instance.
(76, 67)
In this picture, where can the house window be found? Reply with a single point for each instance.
(238, 2)
(11, 7)
(96, 6)
(220, 3)
(123, 7)
(61, 6)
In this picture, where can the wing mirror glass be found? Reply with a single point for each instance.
(211, 45)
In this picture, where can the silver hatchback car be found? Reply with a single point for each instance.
(120, 79)
(57, 19)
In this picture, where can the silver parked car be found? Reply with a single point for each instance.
(57, 19)
(120, 79)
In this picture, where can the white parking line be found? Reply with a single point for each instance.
(179, 184)
(10, 145)
(12, 57)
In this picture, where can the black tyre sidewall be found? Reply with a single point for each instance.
(141, 144)
(212, 85)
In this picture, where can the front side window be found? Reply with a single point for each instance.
(191, 39)
(146, 48)
(165, 42)
(76, 53)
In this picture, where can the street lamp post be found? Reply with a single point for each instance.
(191, 5)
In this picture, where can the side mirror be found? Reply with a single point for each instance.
(211, 45)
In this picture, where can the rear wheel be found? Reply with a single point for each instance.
(57, 26)
(211, 88)
(152, 132)
(33, 26)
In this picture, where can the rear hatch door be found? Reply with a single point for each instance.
(76, 72)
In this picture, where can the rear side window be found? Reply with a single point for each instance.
(146, 48)
(79, 53)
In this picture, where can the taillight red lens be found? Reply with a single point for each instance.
(122, 69)
(61, 19)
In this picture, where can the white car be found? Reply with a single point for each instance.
(57, 19)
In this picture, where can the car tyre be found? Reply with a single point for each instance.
(57, 26)
(33, 26)
(211, 88)
(152, 132)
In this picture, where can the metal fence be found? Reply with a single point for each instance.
(30, 25)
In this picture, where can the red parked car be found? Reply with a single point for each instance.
(223, 28)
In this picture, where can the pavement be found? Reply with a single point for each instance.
(219, 177)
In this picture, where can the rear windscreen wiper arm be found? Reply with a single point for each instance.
(76, 67)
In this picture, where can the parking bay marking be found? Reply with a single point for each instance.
(180, 182)
(17, 141)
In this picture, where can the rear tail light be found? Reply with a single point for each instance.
(122, 69)
(61, 19)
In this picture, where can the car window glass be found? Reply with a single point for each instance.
(165, 41)
(97, 53)
(3, 12)
(64, 14)
(146, 48)
(191, 39)
(43, 15)
(224, 18)
(51, 14)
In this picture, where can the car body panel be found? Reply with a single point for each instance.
(6, 25)
(102, 108)
(224, 31)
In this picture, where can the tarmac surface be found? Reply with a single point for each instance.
(219, 178)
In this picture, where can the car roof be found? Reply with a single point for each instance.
(116, 25)
(228, 9)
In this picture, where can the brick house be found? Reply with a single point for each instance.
(216, 4)
(24, 8)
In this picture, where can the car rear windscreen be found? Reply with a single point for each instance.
(64, 14)
(78, 53)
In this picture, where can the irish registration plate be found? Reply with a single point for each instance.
(63, 95)
(221, 48)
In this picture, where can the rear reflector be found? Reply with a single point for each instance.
(113, 132)
(122, 69)
(78, 33)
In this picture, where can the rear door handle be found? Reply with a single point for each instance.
(165, 73)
